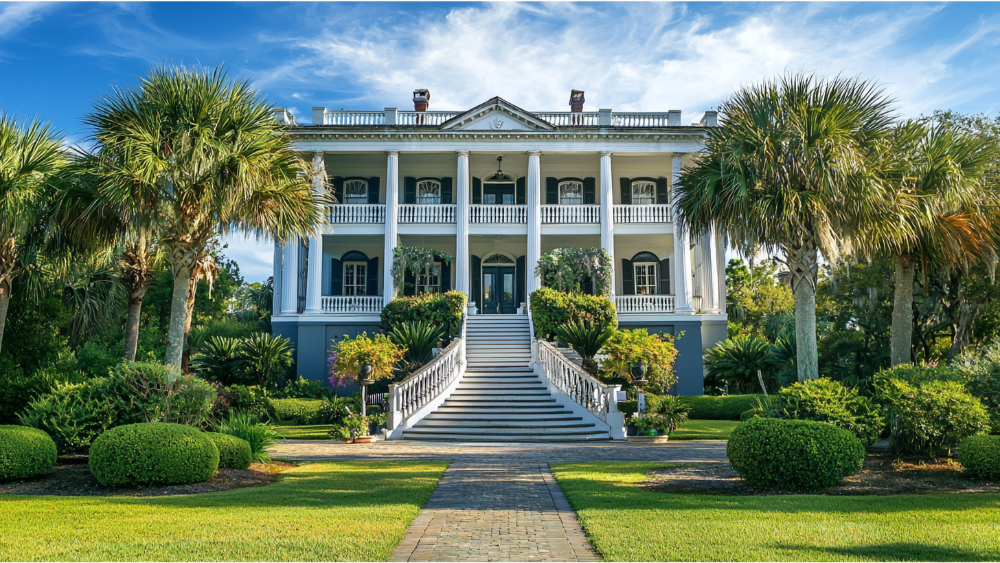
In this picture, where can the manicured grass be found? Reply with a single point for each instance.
(342, 511)
(307, 432)
(627, 523)
(704, 430)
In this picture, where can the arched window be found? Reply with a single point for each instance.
(570, 192)
(646, 280)
(643, 192)
(498, 259)
(355, 273)
(429, 192)
(355, 192)
(429, 281)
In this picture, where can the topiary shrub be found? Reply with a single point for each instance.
(551, 308)
(300, 411)
(441, 309)
(931, 418)
(730, 407)
(234, 452)
(825, 400)
(980, 456)
(137, 455)
(25, 452)
(793, 454)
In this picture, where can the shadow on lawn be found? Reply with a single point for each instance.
(896, 552)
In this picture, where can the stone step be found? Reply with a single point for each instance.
(498, 414)
(511, 434)
(502, 423)
(492, 403)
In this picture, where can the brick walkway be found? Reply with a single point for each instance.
(497, 502)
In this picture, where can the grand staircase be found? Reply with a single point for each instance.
(499, 399)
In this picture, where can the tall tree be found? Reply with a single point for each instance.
(789, 169)
(28, 153)
(200, 155)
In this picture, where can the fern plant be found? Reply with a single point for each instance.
(419, 338)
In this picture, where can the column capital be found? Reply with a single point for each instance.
(606, 153)
(534, 152)
(462, 152)
(318, 154)
(392, 153)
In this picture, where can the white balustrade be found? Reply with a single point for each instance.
(426, 213)
(355, 118)
(352, 118)
(599, 399)
(428, 382)
(644, 304)
(357, 213)
(424, 117)
(658, 119)
(563, 214)
(352, 304)
(498, 214)
(570, 118)
(648, 213)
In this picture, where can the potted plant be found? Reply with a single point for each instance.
(358, 425)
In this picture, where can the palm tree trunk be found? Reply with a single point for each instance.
(189, 314)
(902, 310)
(804, 270)
(178, 317)
(5, 288)
(132, 325)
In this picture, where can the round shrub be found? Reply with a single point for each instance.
(234, 452)
(154, 453)
(825, 400)
(980, 455)
(25, 452)
(793, 454)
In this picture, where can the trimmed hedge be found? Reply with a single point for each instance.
(25, 452)
(154, 453)
(551, 308)
(442, 309)
(234, 453)
(980, 456)
(793, 454)
(707, 407)
(301, 411)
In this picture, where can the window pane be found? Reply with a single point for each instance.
(428, 192)
(356, 191)
(645, 279)
(508, 199)
(490, 199)
(571, 193)
(487, 287)
(508, 287)
(643, 193)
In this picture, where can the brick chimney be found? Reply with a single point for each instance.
(576, 101)
(421, 99)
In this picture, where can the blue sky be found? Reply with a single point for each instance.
(56, 59)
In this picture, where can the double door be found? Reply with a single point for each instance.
(498, 290)
(498, 194)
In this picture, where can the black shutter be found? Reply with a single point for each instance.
(628, 277)
(409, 283)
(519, 281)
(477, 282)
(588, 285)
(374, 189)
(477, 191)
(552, 191)
(337, 188)
(336, 277)
(662, 193)
(626, 185)
(409, 189)
(371, 279)
(519, 191)
(665, 276)
(303, 273)
(589, 191)
(445, 281)
(446, 197)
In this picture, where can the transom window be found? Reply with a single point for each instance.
(355, 278)
(570, 193)
(429, 192)
(356, 191)
(429, 281)
(643, 192)
(645, 279)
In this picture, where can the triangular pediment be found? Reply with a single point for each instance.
(496, 114)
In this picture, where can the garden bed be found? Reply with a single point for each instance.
(75, 479)
(881, 475)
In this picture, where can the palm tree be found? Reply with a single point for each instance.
(28, 153)
(789, 170)
(198, 155)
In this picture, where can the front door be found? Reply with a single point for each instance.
(498, 194)
(498, 290)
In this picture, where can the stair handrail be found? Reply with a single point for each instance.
(599, 398)
(425, 384)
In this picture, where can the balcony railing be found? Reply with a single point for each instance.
(424, 117)
(426, 213)
(570, 214)
(352, 304)
(357, 213)
(570, 119)
(356, 118)
(498, 214)
(654, 213)
(350, 117)
(644, 304)
(658, 119)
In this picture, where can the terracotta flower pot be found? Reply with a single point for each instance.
(364, 439)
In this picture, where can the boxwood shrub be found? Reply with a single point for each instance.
(154, 453)
(25, 452)
(234, 452)
(706, 407)
(980, 456)
(300, 411)
(793, 454)
(442, 309)
(551, 308)
(825, 400)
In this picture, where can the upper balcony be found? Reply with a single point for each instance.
(591, 119)
(486, 214)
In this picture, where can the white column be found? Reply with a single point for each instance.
(712, 270)
(682, 254)
(276, 279)
(290, 277)
(391, 221)
(462, 272)
(314, 270)
(607, 213)
(534, 201)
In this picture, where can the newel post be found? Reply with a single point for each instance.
(395, 417)
(616, 418)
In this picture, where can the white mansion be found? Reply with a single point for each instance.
(496, 187)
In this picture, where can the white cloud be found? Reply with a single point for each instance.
(255, 257)
(18, 15)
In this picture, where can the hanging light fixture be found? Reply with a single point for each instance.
(499, 177)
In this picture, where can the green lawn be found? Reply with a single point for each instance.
(626, 523)
(704, 430)
(307, 432)
(342, 511)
